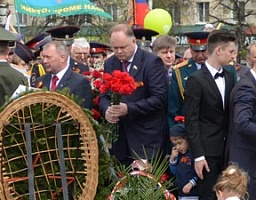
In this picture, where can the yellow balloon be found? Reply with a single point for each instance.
(158, 20)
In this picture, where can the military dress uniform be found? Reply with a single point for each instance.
(10, 78)
(144, 37)
(36, 44)
(180, 74)
(25, 54)
(98, 53)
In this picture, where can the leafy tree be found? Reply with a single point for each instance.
(237, 20)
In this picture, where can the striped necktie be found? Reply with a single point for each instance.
(125, 65)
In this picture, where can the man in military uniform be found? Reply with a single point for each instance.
(37, 68)
(144, 37)
(98, 53)
(198, 47)
(10, 78)
(198, 44)
(66, 34)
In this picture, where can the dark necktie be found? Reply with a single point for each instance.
(54, 82)
(125, 65)
(218, 74)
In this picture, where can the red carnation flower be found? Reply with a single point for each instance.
(97, 83)
(87, 73)
(164, 177)
(96, 114)
(96, 74)
(119, 83)
(179, 118)
(96, 101)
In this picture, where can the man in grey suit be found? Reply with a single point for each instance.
(60, 75)
(206, 107)
(242, 134)
(141, 116)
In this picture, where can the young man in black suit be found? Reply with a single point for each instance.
(55, 59)
(206, 107)
(141, 116)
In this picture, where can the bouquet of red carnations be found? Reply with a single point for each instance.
(119, 83)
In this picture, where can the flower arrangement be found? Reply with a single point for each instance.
(149, 184)
(118, 83)
(96, 79)
(143, 180)
(141, 184)
(39, 120)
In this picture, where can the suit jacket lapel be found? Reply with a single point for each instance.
(212, 83)
(64, 79)
(186, 71)
(248, 73)
(117, 65)
(133, 70)
(47, 80)
(229, 83)
(136, 63)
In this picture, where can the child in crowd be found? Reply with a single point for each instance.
(232, 184)
(182, 164)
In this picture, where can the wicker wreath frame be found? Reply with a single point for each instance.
(68, 110)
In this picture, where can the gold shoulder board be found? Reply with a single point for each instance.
(185, 62)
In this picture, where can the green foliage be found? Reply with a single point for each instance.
(142, 185)
(43, 138)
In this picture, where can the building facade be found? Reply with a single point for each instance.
(187, 15)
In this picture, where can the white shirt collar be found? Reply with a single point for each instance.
(61, 73)
(198, 66)
(136, 48)
(253, 73)
(212, 70)
(233, 198)
(131, 59)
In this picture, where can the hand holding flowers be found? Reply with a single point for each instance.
(118, 84)
(115, 111)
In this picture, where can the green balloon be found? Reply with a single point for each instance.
(158, 20)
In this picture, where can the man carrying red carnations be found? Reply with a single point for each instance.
(140, 114)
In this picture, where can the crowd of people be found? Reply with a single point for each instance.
(216, 98)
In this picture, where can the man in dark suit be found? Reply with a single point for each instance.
(55, 56)
(242, 134)
(141, 116)
(206, 108)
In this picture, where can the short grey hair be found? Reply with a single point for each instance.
(253, 44)
(59, 46)
(81, 42)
